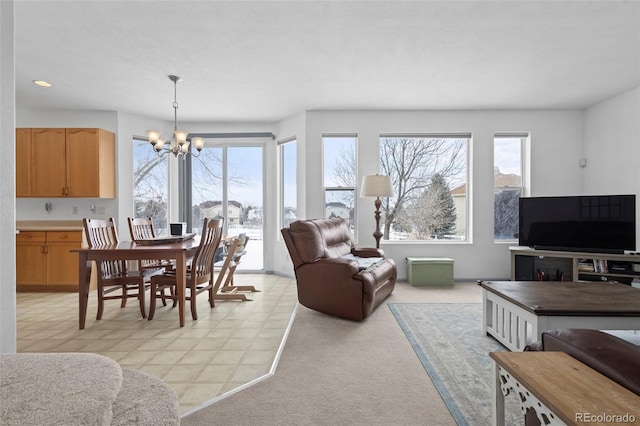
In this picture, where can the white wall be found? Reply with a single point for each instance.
(7, 177)
(556, 149)
(556, 146)
(612, 148)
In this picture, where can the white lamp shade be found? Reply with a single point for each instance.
(153, 136)
(198, 143)
(181, 136)
(376, 186)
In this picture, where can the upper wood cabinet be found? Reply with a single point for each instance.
(48, 163)
(23, 162)
(65, 163)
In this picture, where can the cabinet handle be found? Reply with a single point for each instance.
(45, 248)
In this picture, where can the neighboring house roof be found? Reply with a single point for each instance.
(209, 204)
(500, 180)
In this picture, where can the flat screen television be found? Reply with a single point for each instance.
(590, 223)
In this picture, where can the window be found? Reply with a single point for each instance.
(508, 184)
(288, 182)
(150, 185)
(429, 176)
(227, 182)
(340, 177)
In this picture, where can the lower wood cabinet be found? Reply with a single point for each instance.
(44, 261)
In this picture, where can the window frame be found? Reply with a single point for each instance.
(525, 140)
(328, 189)
(282, 144)
(466, 238)
(144, 141)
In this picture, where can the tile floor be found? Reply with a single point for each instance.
(228, 346)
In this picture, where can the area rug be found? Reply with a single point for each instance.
(448, 339)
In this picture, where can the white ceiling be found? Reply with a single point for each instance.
(266, 60)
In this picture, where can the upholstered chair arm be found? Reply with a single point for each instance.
(331, 287)
(338, 267)
(367, 252)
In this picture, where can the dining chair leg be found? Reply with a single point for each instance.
(194, 313)
(212, 302)
(100, 303)
(124, 296)
(152, 303)
(141, 298)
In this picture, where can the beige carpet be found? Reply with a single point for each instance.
(338, 372)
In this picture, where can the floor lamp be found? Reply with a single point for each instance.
(377, 186)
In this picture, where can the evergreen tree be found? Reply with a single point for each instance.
(433, 214)
(506, 207)
(443, 221)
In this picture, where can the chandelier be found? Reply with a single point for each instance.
(178, 146)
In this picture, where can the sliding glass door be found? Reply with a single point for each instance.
(226, 181)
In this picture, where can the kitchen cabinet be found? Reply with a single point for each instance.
(58, 162)
(44, 261)
(23, 162)
(31, 259)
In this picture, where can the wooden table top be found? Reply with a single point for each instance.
(555, 298)
(568, 387)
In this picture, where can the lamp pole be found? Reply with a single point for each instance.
(377, 234)
(377, 186)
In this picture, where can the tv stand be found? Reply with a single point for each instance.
(528, 264)
(575, 250)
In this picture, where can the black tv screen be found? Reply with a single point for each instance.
(591, 223)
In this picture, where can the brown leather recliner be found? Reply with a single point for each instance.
(333, 276)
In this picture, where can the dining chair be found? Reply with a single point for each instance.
(199, 275)
(141, 228)
(113, 275)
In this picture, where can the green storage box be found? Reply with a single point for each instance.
(430, 271)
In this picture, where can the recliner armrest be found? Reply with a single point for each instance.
(367, 252)
(336, 265)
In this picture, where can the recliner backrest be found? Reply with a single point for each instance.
(318, 238)
(336, 236)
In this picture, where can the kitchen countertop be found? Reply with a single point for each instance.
(49, 225)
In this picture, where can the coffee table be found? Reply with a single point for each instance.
(517, 312)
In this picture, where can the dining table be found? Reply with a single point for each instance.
(180, 252)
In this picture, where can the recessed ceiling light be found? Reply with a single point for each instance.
(42, 83)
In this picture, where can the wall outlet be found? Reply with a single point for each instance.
(75, 210)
